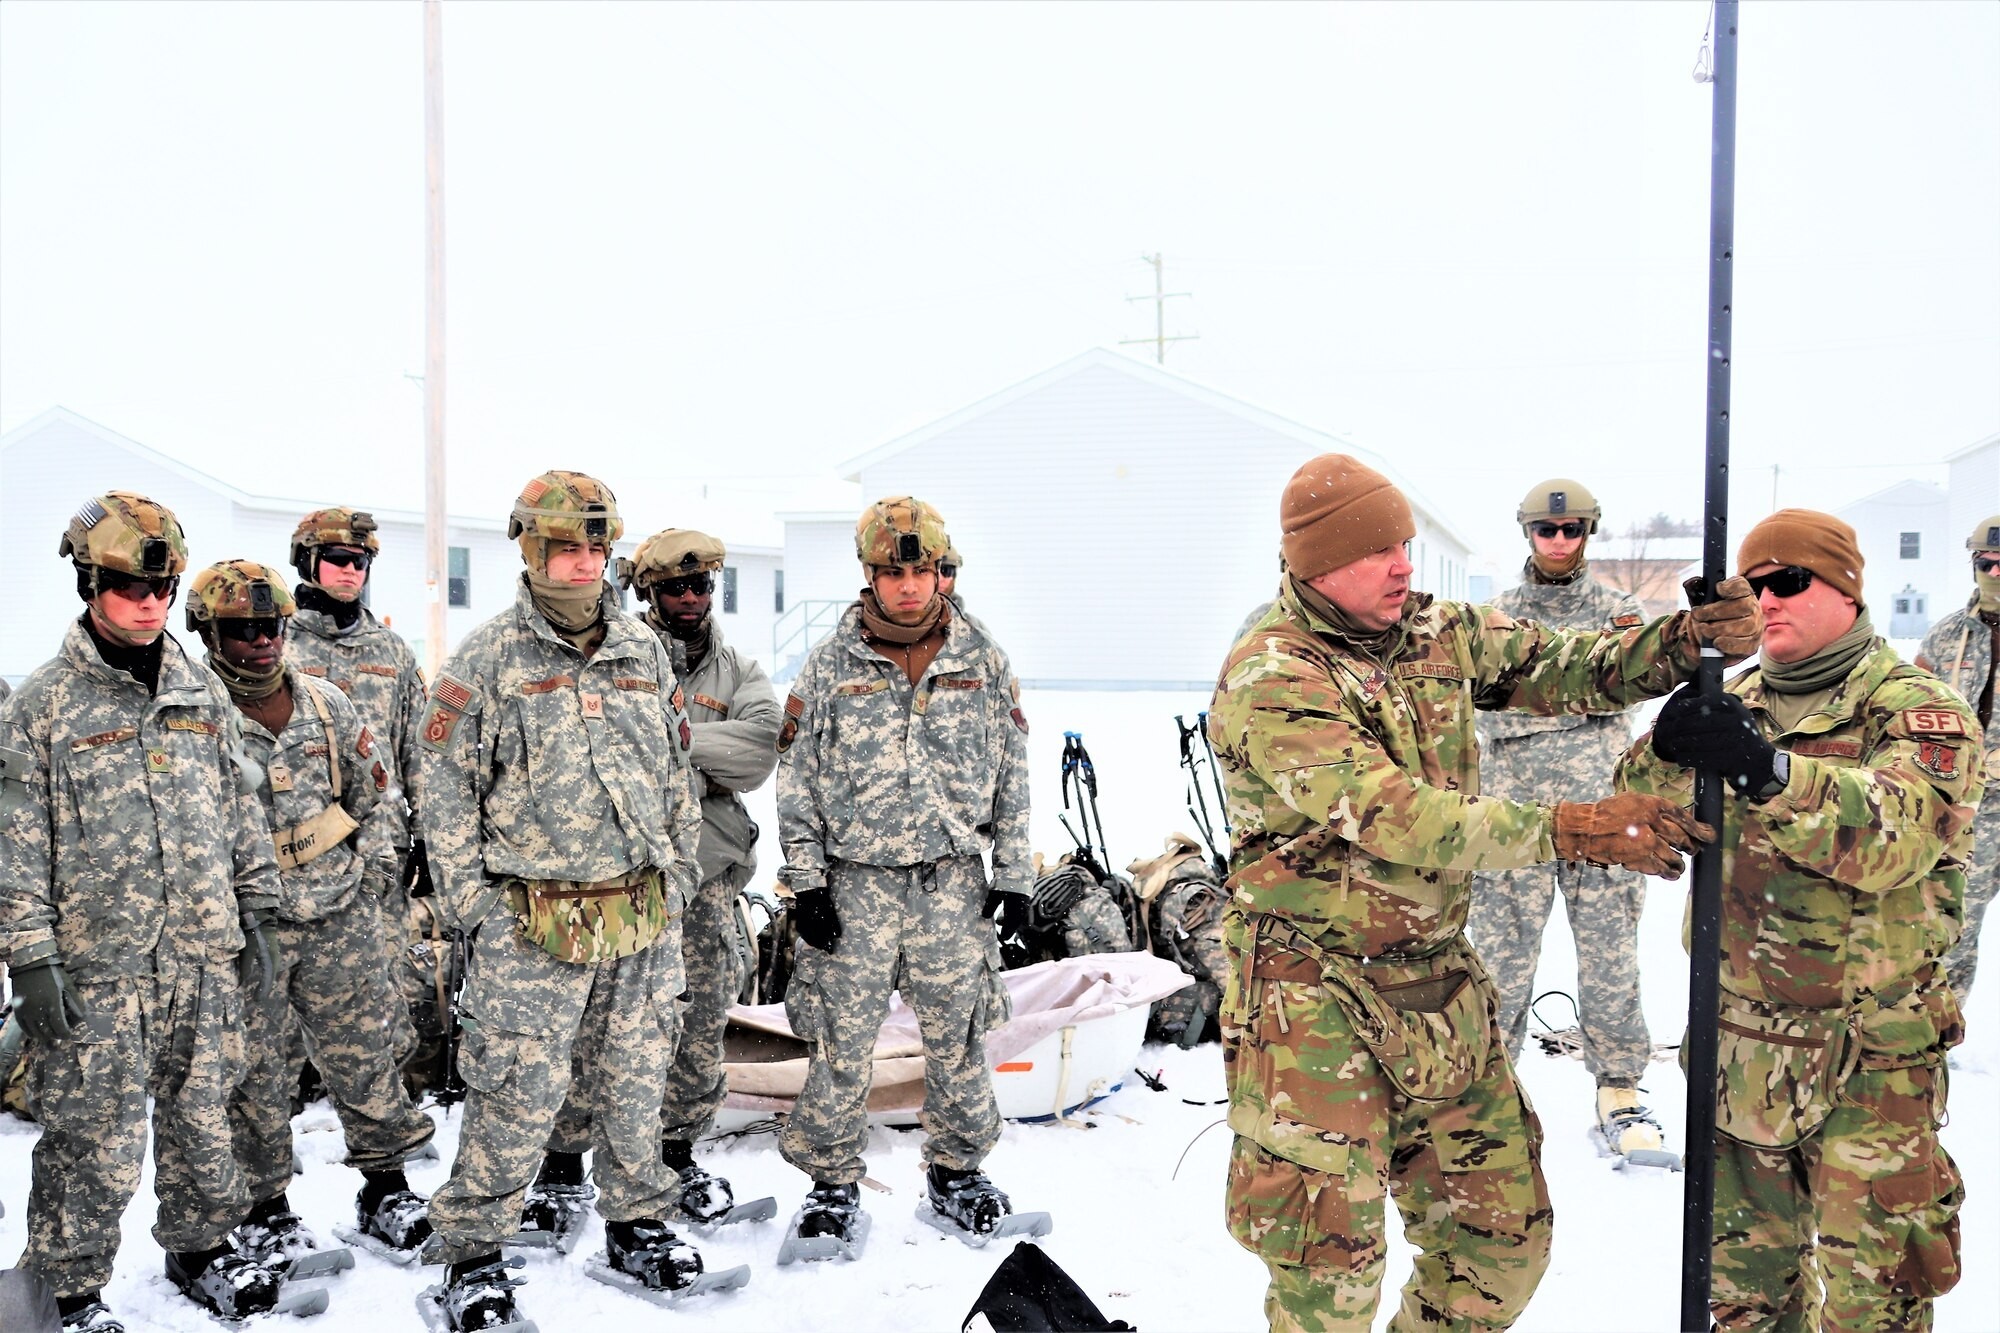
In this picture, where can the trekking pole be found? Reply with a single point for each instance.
(1705, 933)
(1197, 804)
(1215, 776)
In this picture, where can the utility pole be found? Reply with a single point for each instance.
(1159, 298)
(434, 521)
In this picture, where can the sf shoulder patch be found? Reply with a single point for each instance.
(1938, 759)
(1933, 722)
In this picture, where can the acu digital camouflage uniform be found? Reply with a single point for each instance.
(1959, 649)
(327, 975)
(888, 794)
(543, 766)
(1352, 779)
(1569, 757)
(1184, 903)
(131, 857)
(1835, 1205)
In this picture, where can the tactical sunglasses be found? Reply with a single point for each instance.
(345, 556)
(249, 631)
(1986, 564)
(1569, 530)
(701, 585)
(1787, 582)
(134, 588)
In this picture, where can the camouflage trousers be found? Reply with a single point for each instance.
(919, 929)
(329, 985)
(1510, 915)
(1466, 1174)
(696, 1085)
(1854, 1229)
(1982, 878)
(180, 1043)
(526, 1017)
(395, 1008)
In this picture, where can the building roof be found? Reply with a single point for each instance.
(1973, 448)
(1909, 491)
(1319, 441)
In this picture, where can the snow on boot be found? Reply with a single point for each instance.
(91, 1318)
(1627, 1130)
(648, 1260)
(830, 1226)
(393, 1220)
(477, 1296)
(226, 1284)
(707, 1201)
(276, 1237)
(553, 1212)
(968, 1205)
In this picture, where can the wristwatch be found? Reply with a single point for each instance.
(1781, 775)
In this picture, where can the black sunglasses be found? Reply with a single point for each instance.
(345, 557)
(134, 588)
(249, 631)
(1986, 564)
(1569, 530)
(701, 585)
(1787, 582)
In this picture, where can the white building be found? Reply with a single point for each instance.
(1117, 522)
(52, 464)
(1913, 557)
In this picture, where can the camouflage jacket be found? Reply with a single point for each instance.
(376, 670)
(1844, 888)
(1583, 603)
(539, 764)
(875, 771)
(735, 716)
(1353, 783)
(1959, 649)
(133, 836)
(298, 789)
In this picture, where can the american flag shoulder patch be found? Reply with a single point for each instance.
(452, 694)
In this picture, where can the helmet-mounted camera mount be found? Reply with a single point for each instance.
(909, 548)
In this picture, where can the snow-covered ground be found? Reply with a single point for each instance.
(1137, 1196)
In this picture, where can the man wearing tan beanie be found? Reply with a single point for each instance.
(1362, 1053)
(1853, 780)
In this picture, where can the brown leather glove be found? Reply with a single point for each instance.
(1637, 832)
(1731, 622)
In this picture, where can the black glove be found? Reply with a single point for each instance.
(257, 965)
(993, 900)
(819, 922)
(1718, 735)
(417, 872)
(46, 1007)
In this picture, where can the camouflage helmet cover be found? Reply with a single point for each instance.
(125, 531)
(237, 590)
(900, 530)
(1558, 500)
(672, 554)
(566, 507)
(951, 558)
(332, 527)
(1985, 537)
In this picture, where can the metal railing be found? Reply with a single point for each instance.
(802, 625)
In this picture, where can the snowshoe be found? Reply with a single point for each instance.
(650, 1261)
(1627, 1132)
(968, 1205)
(280, 1241)
(830, 1226)
(92, 1318)
(477, 1300)
(395, 1228)
(552, 1216)
(233, 1286)
(708, 1202)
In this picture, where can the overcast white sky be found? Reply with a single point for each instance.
(744, 242)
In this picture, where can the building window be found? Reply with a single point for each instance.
(778, 591)
(729, 590)
(1902, 606)
(458, 576)
(1913, 546)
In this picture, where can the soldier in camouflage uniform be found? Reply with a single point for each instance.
(323, 794)
(1359, 1030)
(903, 761)
(1960, 649)
(337, 638)
(134, 864)
(1183, 902)
(1569, 756)
(561, 819)
(1852, 782)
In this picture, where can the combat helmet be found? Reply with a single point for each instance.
(237, 590)
(900, 530)
(563, 507)
(1559, 500)
(331, 527)
(951, 561)
(1986, 536)
(126, 533)
(675, 553)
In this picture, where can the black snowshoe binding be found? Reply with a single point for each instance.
(648, 1260)
(392, 1223)
(830, 1226)
(277, 1238)
(707, 1201)
(553, 1214)
(475, 1297)
(232, 1286)
(968, 1205)
(92, 1318)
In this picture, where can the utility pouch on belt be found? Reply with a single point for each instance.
(591, 923)
(326, 830)
(1782, 1067)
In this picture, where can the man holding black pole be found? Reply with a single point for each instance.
(1851, 783)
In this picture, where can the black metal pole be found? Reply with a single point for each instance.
(1705, 936)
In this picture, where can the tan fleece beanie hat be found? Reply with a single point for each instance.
(1810, 540)
(1337, 510)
